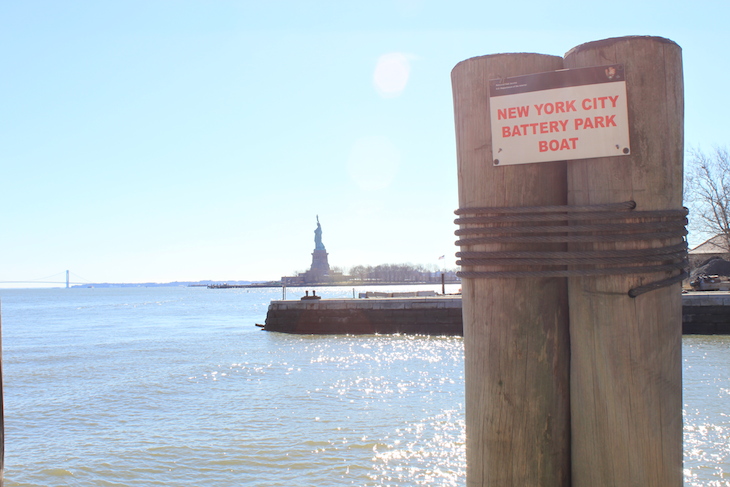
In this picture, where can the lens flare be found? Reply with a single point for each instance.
(391, 74)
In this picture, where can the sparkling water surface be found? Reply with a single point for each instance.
(176, 386)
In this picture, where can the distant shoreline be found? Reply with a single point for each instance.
(348, 284)
(254, 284)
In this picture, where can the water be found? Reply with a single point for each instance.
(164, 386)
(176, 386)
(706, 398)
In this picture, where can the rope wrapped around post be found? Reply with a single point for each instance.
(617, 222)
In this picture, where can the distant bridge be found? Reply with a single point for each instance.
(43, 280)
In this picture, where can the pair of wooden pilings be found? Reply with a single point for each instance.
(570, 382)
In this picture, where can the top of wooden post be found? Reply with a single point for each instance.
(613, 40)
(513, 57)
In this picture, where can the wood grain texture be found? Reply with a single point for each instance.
(626, 400)
(515, 330)
(2, 408)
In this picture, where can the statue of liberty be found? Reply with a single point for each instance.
(318, 245)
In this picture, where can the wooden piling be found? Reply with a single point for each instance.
(2, 408)
(626, 401)
(515, 330)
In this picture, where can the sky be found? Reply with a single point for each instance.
(161, 140)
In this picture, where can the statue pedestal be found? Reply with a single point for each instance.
(319, 272)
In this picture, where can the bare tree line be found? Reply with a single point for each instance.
(399, 273)
(707, 192)
(391, 273)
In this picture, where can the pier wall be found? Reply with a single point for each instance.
(706, 313)
(703, 313)
(413, 316)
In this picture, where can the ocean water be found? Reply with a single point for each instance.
(177, 387)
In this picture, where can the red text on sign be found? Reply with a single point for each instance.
(558, 145)
(595, 122)
(599, 102)
(513, 112)
(557, 107)
(535, 128)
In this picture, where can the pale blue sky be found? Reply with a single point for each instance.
(161, 140)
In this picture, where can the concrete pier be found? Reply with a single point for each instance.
(703, 313)
(413, 316)
(706, 313)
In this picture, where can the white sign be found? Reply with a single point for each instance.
(560, 115)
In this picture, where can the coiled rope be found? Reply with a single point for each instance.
(591, 224)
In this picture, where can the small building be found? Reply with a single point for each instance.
(717, 246)
(293, 280)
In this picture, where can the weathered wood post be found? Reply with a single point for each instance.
(2, 407)
(625, 388)
(515, 329)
